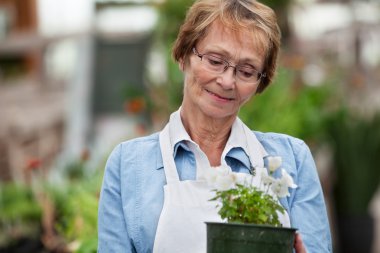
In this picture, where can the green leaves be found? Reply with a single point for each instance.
(76, 211)
(242, 201)
(20, 213)
(244, 204)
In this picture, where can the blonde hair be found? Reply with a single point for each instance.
(234, 14)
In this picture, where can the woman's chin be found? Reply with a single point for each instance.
(219, 113)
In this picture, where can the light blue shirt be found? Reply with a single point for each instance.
(132, 194)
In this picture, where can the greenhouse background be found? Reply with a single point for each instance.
(77, 77)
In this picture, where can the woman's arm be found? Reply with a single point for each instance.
(112, 228)
(308, 210)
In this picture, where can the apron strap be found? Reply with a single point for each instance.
(256, 151)
(170, 169)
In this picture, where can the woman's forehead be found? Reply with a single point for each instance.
(246, 37)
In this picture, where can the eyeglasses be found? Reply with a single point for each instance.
(218, 65)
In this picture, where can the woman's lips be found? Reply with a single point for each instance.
(219, 97)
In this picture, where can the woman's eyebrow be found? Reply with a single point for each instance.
(224, 52)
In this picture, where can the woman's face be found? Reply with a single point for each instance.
(220, 95)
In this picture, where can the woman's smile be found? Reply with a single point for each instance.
(220, 97)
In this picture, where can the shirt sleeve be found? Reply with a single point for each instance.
(308, 211)
(112, 228)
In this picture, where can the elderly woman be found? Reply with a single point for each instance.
(153, 193)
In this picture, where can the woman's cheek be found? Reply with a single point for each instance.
(246, 96)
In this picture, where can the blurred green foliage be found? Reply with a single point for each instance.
(355, 142)
(76, 205)
(172, 13)
(290, 107)
(18, 204)
(277, 4)
(77, 215)
(20, 213)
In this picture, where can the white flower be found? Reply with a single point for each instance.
(288, 180)
(280, 188)
(244, 179)
(266, 179)
(274, 162)
(222, 178)
(223, 170)
(225, 182)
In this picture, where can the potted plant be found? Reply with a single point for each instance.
(252, 212)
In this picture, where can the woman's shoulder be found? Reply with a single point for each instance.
(138, 146)
(151, 139)
(278, 137)
(280, 143)
(295, 153)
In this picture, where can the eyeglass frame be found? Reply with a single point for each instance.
(227, 65)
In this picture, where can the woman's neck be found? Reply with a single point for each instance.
(211, 134)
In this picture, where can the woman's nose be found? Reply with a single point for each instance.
(227, 79)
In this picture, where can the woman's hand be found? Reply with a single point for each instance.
(298, 244)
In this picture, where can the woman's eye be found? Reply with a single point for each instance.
(214, 61)
(247, 73)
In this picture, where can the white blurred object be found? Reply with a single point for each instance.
(3, 23)
(310, 21)
(157, 67)
(313, 75)
(371, 49)
(126, 20)
(61, 58)
(78, 100)
(65, 17)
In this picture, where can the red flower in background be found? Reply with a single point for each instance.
(135, 105)
(33, 163)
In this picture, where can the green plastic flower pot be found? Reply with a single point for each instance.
(244, 238)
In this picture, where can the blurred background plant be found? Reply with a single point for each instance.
(52, 214)
(355, 144)
(20, 217)
(76, 212)
(171, 15)
(291, 107)
(74, 202)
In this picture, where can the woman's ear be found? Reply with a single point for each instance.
(181, 64)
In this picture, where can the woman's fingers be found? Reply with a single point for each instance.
(298, 244)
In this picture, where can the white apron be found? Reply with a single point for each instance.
(181, 227)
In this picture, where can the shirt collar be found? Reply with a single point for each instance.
(240, 155)
(236, 146)
(237, 138)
